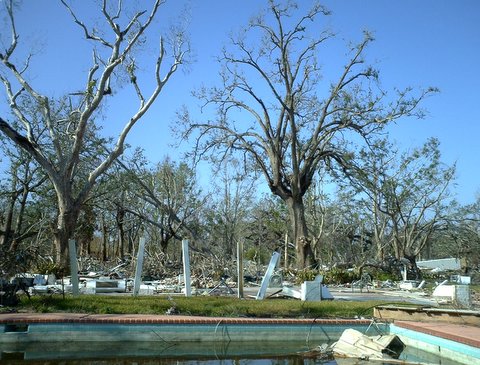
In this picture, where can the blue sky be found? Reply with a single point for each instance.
(419, 43)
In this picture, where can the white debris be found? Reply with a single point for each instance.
(309, 291)
(105, 286)
(441, 264)
(355, 344)
(458, 294)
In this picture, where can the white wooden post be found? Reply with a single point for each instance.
(285, 263)
(268, 275)
(72, 249)
(240, 268)
(138, 270)
(186, 268)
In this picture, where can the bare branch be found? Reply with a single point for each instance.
(144, 106)
(88, 35)
(28, 146)
(13, 44)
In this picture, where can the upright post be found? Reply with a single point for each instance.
(285, 261)
(240, 268)
(73, 266)
(138, 270)
(186, 268)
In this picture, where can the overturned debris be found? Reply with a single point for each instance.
(355, 344)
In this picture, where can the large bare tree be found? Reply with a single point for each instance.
(277, 107)
(67, 128)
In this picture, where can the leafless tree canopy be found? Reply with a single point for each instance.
(275, 106)
(57, 138)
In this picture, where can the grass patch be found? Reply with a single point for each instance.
(199, 306)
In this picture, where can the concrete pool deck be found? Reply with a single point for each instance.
(468, 335)
(465, 334)
(453, 343)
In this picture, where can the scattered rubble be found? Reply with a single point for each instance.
(215, 277)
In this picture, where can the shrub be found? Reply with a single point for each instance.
(338, 276)
(305, 275)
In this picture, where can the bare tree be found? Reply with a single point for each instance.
(411, 190)
(68, 131)
(461, 237)
(274, 107)
(230, 205)
(165, 197)
(365, 178)
(338, 224)
(24, 179)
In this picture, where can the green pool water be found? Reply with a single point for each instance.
(151, 353)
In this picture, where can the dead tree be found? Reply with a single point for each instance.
(68, 130)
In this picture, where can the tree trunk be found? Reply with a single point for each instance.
(120, 219)
(18, 226)
(296, 210)
(428, 250)
(5, 239)
(104, 239)
(66, 223)
(398, 247)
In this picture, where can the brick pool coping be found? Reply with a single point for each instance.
(13, 318)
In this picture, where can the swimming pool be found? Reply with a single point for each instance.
(75, 336)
